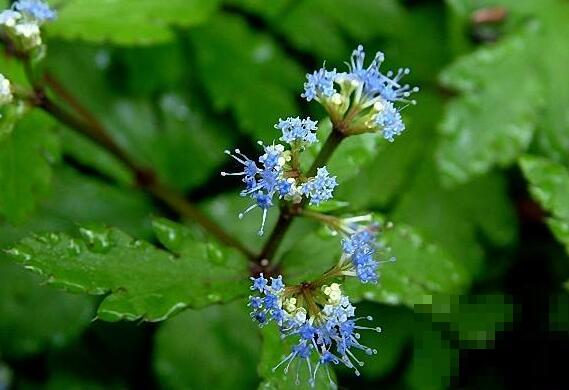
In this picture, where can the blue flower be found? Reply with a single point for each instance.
(321, 187)
(262, 183)
(326, 329)
(374, 83)
(319, 84)
(297, 130)
(389, 120)
(259, 283)
(368, 90)
(35, 9)
(360, 248)
(271, 176)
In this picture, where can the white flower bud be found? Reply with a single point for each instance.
(8, 18)
(5, 90)
(29, 33)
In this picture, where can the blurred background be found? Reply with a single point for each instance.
(479, 182)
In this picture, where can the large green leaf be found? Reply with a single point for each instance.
(65, 208)
(489, 125)
(246, 73)
(33, 317)
(548, 20)
(139, 280)
(322, 28)
(453, 218)
(128, 22)
(273, 351)
(216, 347)
(167, 130)
(26, 157)
(421, 270)
(549, 185)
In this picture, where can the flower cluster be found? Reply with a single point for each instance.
(360, 249)
(296, 130)
(368, 93)
(277, 172)
(319, 317)
(316, 315)
(22, 22)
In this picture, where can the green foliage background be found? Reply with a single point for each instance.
(482, 168)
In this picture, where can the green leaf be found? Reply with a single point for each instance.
(386, 176)
(125, 208)
(312, 255)
(26, 157)
(168, 131)
(34, 318)
(322, 29)
(351, 156)
(246, 72)
(488, 125)
(549, 185)
(128, 22)
(140, 281)
(453, 218)
(91, 154)
(548, 20)
(216, 347)
(434, 361)
(70, 381)
(422, 269)
(475, 319)
(273, 351)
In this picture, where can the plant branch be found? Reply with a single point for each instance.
(289, 212)
(146, 178)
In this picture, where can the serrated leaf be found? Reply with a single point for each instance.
(216, 347)
(488, 125)
(34, 318)
(140, 281)
(26, 157)
(421, 270)
(246, 73)
(549, 185)
(128, 22)
(275, 349)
